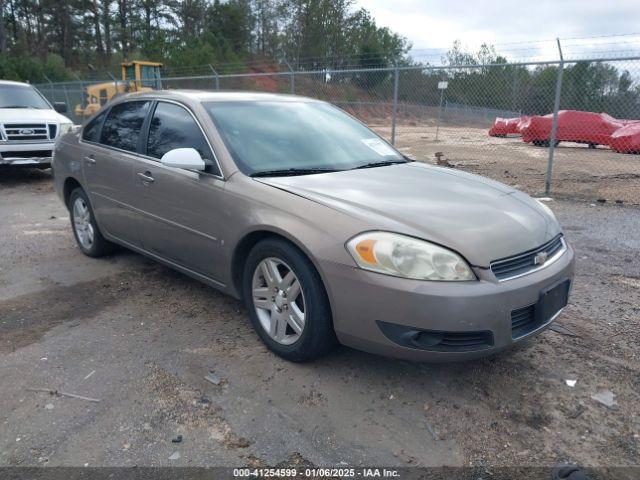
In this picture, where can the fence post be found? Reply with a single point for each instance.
(115, 81)
(82, 95)
(439, 113)
(53, 97)
(394, 118)
(66, 97)
(554, 125)
(292, 77)
(216, 80)
(514, 88)
(80, 81)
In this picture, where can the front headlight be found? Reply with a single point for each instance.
(407, 257)
(65, 128)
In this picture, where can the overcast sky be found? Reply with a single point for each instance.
(435, 24)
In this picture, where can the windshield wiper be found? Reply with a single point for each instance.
(288, 172)
(382, 163)
(16, 106)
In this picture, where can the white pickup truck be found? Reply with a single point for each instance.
(29, 125)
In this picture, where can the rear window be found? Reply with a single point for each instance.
(123, 125)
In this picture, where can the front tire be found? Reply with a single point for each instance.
(287, 301)
(85, 227)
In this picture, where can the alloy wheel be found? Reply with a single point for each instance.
(278, 300)
(82, 223)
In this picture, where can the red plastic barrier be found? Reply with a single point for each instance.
(505, 126)
(627, 138)
(523, 120)
(573, 126)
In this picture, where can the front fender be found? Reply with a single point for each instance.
(256, 209)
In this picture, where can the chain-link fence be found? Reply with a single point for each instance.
(570, 128)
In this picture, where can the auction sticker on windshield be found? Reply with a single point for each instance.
(379, 147)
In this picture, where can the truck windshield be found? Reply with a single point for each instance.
(297, 138)
(19, 96)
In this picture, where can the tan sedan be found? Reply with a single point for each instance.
(326, 231)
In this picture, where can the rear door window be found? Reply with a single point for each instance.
(123, 125)
(172, 126)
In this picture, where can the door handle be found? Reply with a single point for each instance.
(146, 177)
(90, 160)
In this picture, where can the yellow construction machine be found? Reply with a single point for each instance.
(137, 76)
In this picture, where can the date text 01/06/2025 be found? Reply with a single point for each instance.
(316, 472)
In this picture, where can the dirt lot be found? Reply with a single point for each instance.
(141, 337)
(579, 172)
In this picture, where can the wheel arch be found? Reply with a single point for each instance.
(250, 239)
(70, 184)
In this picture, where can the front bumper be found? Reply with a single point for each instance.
(26, 154)
(364, 301)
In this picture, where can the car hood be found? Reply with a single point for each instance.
(35, 115)
(481, 219)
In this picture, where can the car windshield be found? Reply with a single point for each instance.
(21, 96)
(297, 138)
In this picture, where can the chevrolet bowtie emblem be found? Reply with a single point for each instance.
(540, 258)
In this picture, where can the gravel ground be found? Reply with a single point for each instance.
(141, 337)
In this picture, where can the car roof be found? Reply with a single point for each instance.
(222, 96)
(11, 82)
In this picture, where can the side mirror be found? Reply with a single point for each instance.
(60, 107)
(186, 158)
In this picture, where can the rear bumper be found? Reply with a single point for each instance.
(26, 154)
(364, 304)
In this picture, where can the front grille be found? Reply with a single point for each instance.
(28, 132)
(27, 154)
(463, 341)
(523, 321)
(525, 262)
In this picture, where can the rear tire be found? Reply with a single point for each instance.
(287, 301)
(85, 227)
